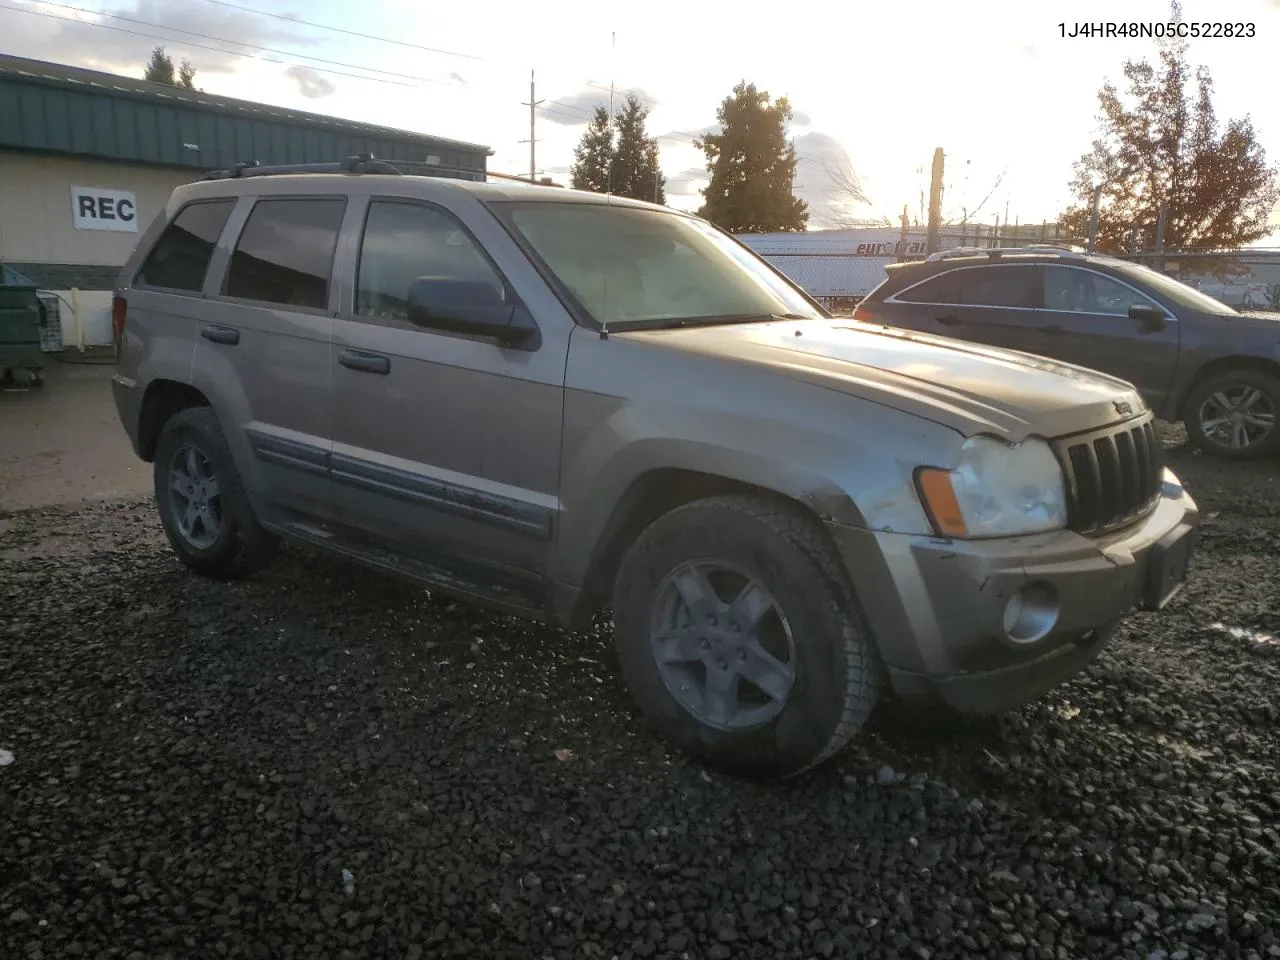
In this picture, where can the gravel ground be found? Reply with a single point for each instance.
(195, 765)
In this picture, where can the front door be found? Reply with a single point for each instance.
(444, 445)
(1085, 320)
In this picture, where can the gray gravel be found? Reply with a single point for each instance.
(320, 763)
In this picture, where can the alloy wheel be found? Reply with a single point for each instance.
(722, 645)
(195, 496)
(1237, 417)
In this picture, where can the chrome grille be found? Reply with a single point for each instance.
(1113, 475)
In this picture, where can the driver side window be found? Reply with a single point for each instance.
(1083, 291)
(404, 241)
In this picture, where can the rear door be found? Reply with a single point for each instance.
(992, 305)
(166, 294)
(263, 348)
(1085, 320)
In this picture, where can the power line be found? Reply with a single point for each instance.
(242, 43)
(684, 140)
(387, 78)
(350, 33)
(201, 46)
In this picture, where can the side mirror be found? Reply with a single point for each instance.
(1152, 318)
(468, 307)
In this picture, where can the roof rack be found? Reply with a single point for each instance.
(995, 253)
(362, 163)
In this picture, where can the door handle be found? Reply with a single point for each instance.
(227, 335)
(364, 362)
(950, 320)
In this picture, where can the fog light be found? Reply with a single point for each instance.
(1031, 613)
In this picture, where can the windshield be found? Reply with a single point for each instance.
(629, 266)
(1180, 293)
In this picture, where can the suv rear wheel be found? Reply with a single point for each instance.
(1233, 414)
(740, 638)
(203, 506)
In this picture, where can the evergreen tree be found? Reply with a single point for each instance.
(160, 69)
(635, 169)
(752, 166)
(593, 155)
(621, 158)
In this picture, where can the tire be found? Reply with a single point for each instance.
(233, 545)
(1256, 387)
(835, 670)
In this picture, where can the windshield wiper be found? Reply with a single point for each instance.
(724, 318)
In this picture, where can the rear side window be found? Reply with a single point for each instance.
(939, 289)
(285, 252)
(1012, 286)
(181, 256)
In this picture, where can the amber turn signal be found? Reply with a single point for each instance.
(940, 502)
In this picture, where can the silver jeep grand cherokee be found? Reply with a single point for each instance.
(557, 403)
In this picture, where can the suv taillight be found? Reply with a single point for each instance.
(118, 307)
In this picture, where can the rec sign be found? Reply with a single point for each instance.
(93, 208)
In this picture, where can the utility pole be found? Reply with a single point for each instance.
(902, 239)
(935, 203)
(533, 122)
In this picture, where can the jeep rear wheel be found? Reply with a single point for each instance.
(203, 506)
(740, 637)
(1233, 414)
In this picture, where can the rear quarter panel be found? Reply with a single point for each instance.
(160, 331)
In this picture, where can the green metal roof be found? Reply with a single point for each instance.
(69, 110)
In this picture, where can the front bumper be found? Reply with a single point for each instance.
(940, 609)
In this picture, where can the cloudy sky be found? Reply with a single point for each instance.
(875, 85)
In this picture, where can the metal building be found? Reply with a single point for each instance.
(87, 159)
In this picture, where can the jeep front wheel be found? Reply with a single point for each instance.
(740, 637)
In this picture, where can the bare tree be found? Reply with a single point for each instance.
(845, 195)
(972, 213)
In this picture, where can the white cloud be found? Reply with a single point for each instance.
(576, 109)
(310, 84)
(119, 38)
(687, 183)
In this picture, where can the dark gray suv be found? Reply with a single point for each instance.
(1192, 358)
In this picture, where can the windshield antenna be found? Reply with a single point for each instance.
(613, 53)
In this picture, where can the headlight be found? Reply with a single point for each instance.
(996, 490)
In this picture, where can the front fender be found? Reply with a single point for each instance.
(863, 480)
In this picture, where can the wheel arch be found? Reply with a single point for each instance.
(649, 496)
(162, 399)
(1222, 365)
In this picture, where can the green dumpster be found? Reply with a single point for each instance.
(20, 322)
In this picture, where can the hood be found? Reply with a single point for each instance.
(972, 388)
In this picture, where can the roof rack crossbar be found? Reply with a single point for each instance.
(995, 253)
(358, 164)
